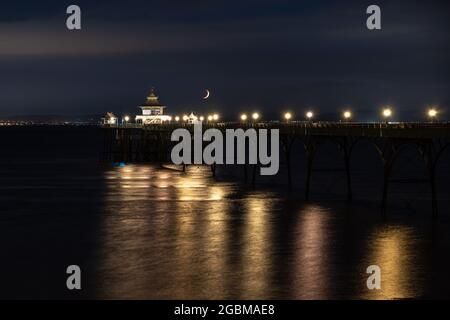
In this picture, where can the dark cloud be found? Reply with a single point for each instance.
(263, 54)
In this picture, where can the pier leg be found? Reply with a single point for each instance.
(310, 157)
(434, 206)
(388, 152)
(288, 164)
(110, 145)
(431, 163)
(287, 142)
(160, 150)
(254, 175)
(213, 170)
(107, 146)
(122, 145)
(346, 146)
(130, 149)
(430, 157)
(124, 138)
(140, 147)
(387, 171)
(349, 180)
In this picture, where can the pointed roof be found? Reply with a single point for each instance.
(152, 100)
(110, 115)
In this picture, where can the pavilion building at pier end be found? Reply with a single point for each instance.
(152, 111)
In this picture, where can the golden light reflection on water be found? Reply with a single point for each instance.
(173, 238)
(257, 251)
(172, 235)
(212, 251)
(312, 278)
(201, 251)
(146, 208)
(392, 249)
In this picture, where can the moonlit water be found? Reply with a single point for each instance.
(142, 231)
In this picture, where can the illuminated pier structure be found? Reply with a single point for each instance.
(137, 143)
(152, 111)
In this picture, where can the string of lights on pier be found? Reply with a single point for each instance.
(153, 113)
(347, 115)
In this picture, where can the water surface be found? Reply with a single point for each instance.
(142, 231)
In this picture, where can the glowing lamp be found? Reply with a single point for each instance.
(387, 112)
(432, 113)
(347, 115)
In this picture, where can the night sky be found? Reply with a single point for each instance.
(265, 55)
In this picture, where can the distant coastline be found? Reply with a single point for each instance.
(58, 120)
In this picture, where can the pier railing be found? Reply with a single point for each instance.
(369, 129)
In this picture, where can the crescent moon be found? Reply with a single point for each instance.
(207, 95)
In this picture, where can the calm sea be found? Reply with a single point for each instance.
(141, 231)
